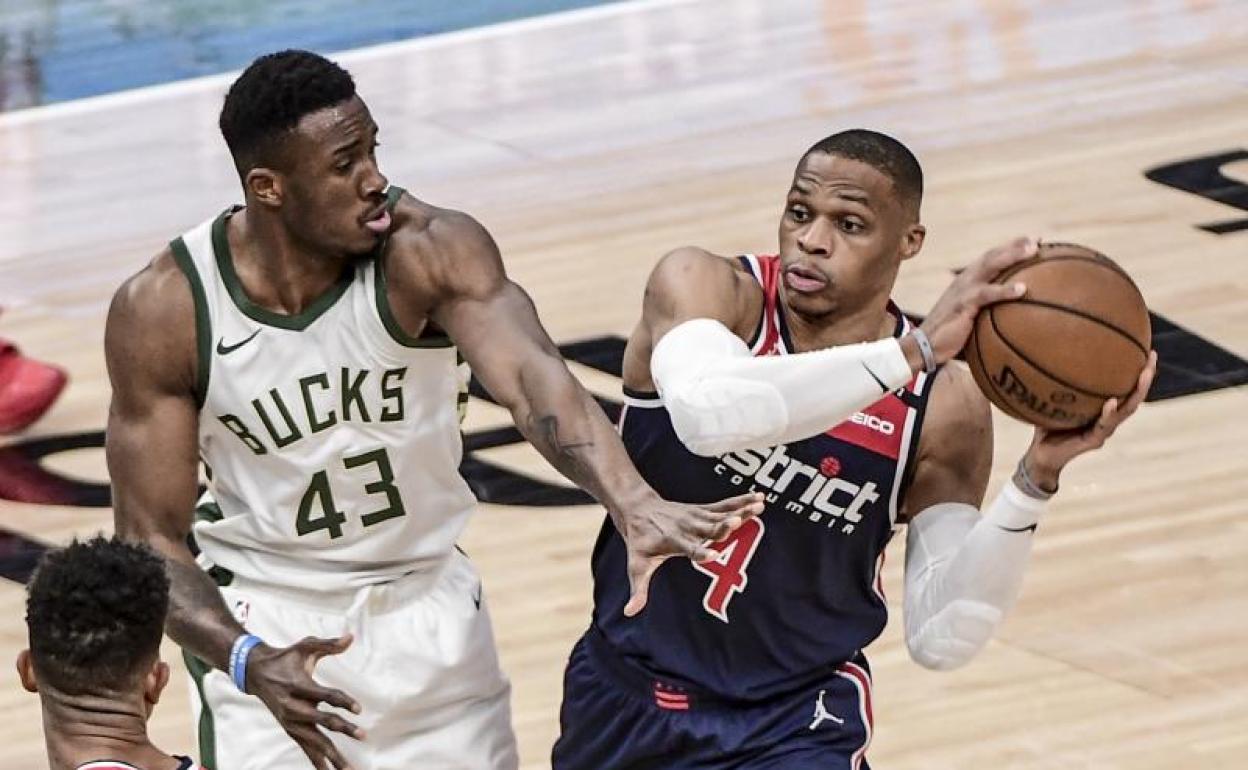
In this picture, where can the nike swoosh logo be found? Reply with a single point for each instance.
(1031, 528)
(878, 381)
(225, 350)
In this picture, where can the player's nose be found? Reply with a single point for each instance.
(375, 183)
(815, 239)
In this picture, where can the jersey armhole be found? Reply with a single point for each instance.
(756, 338)
(203, 323)
(917, 401)
(430, 336)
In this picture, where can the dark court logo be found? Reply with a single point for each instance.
(1203, 176)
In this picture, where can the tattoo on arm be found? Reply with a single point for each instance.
(568, 456)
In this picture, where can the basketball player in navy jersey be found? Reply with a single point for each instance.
(795, 375)
(96, 614)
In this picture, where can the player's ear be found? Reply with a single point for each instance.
(154, 684)
(26, 671)
(912, 240)
(264, 186)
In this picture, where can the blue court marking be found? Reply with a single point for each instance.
(59, 50)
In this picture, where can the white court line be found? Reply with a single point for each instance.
(141, 94)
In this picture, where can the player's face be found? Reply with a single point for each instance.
(842, 237)
(334, 194)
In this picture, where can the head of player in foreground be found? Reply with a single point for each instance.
(96, 614)
(851, 217)
(304, 145)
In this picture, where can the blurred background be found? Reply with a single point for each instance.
(55, 50)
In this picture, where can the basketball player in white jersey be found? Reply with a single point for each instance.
(306, 347)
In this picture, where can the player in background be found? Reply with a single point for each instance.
(796, 376)
(95, 612)
(28, 388)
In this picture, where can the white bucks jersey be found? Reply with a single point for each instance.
(331, 438)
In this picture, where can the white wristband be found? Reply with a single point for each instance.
(1014, 510)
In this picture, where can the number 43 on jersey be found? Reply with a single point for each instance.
(728, 569)
(319, 495)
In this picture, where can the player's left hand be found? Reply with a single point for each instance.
(658, 529)
(1051, 450)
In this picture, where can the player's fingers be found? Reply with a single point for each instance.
(311, 748)
(316, 647)
(698, 526)
(1142, 386)
(992, 293)
(1007, 256)
(331, 721)
(751, 502)
(321, 746)
(640, 570)
(315, 693)
(1104, 426)
(723, 529)
(321, 646)
(699, 549)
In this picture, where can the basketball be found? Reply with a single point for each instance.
(1079, 337)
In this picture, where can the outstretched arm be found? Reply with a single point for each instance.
(722, 399)
(964, 571)
(153, 461)
(496, 327)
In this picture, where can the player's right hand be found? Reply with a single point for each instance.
(282, 678)
(660, 529)
(948, 326)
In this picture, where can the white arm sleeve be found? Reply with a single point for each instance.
(963, 574)
(723, 399)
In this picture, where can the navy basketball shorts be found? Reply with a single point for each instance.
(617, 717)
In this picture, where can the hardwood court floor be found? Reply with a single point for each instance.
(593, 142)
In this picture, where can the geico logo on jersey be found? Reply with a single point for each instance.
(805, 490)
(874, 423)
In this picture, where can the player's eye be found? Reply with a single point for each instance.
(799, 213)
(852, 225)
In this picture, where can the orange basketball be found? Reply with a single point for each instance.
(1078, 337)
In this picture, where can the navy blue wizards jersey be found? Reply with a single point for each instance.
(795, 592)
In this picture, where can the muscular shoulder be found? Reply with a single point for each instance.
(442, 250)
(151, 325)
(691, 282)
(955, 449)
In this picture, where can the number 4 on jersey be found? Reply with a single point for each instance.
(727, 570)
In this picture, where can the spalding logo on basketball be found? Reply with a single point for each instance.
(1079, 337)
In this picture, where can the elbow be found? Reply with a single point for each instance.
(697, 433)
(702, 444)
(711, 422)
(953, 636)
(939, 657)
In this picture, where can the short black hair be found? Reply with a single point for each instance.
(270, 97)
(96, 613)
(883, 153)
